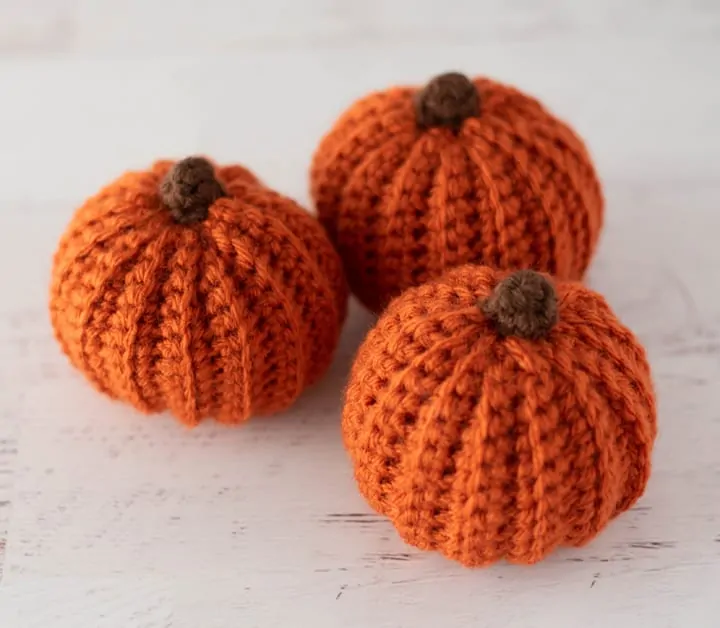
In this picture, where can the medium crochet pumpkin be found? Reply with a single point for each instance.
(194, 288)
(411, 182)
(497, 416)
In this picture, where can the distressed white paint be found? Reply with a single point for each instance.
(111, 520)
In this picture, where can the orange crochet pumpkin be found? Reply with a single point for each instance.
(411, 182)
(497, 416)
(194, 288)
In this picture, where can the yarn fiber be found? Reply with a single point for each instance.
(498, 416)
(193, 287)
(411, 182)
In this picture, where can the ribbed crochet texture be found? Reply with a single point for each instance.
(486, 444)
(411, 182)
(194, 288)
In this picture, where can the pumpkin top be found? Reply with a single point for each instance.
(189, 189)
(447, 100)
(523, 304)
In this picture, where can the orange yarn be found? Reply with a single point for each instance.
(412, 182)
(484, 444)
(194, 288)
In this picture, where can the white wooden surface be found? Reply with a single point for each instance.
(111, 520)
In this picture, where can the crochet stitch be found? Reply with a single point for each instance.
(411, 182)
(497, 416)
(195, 288)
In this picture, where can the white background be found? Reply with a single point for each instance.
(108, 519)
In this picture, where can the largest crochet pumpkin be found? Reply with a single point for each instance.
(497, 416)
(410, 182)
(197, 289)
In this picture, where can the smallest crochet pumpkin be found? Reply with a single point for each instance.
(195, 288)
(413, 181)
(497, 416)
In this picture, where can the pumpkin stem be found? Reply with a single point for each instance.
(523, 304)
(189, 189)
(447, 100)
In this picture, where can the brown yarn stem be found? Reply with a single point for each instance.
(189, 189)
(523, 304)
(447, 100)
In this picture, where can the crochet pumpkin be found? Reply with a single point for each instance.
(411, 182)
(194, 288)
(497, 416)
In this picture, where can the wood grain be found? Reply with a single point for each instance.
(109, 519)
